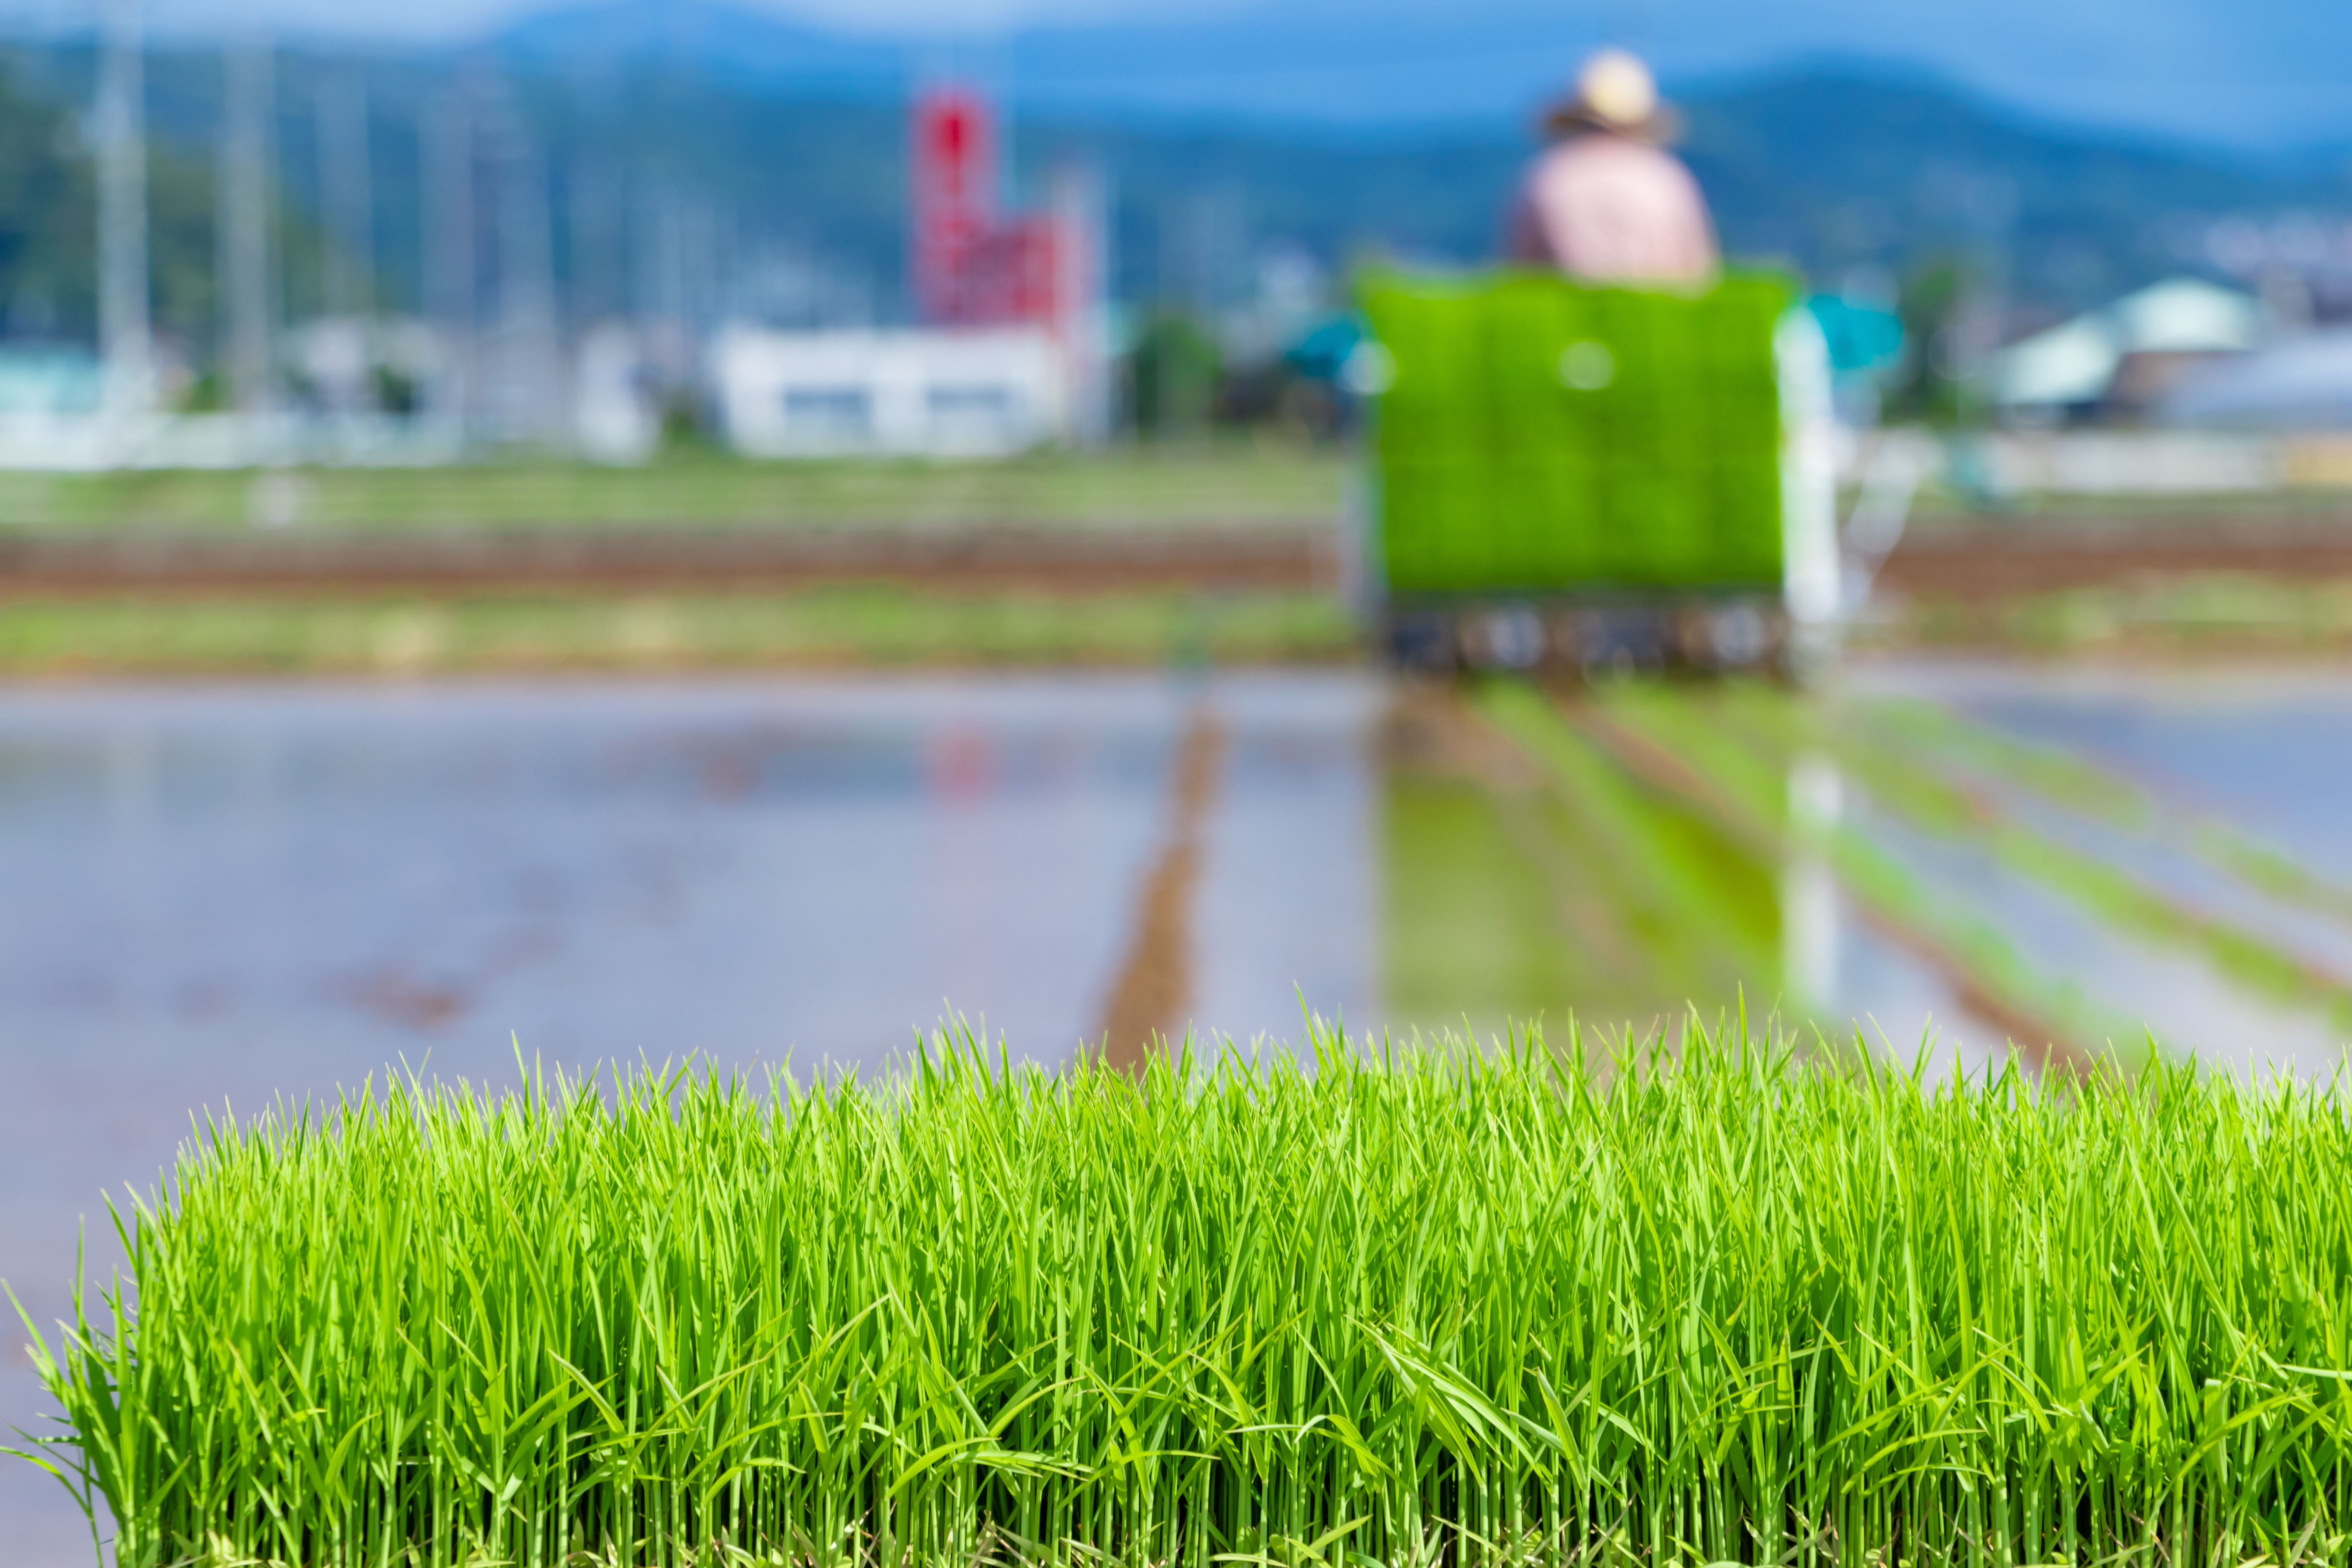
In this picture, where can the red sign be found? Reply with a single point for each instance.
(972, 267)
(1011, 273)
(955, 197)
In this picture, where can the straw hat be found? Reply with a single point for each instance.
(1614, 92)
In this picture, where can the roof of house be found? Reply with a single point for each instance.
(2076, 362)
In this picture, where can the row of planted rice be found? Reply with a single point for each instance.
(1384, 1308)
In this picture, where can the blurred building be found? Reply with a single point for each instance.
(925, 392)
(1012, 356)
(50, 382)
(2120, 362)
(2301, 383)
(617, 420)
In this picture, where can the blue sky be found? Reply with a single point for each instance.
(2259, 73)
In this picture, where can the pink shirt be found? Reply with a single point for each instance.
(1612, 209)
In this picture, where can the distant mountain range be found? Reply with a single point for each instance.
(704, 39)
(1831, 167)
(764, 132)
(2263, 76)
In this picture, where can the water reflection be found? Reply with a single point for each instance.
(216, 897)
(339, 879)
(219, 898)
(2171, 843)
(1574, 884)
(1965, 866)
(1475, 926)
(1812, 905)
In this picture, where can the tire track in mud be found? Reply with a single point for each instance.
(1149, 999)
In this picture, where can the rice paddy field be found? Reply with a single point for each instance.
(1901, 1126)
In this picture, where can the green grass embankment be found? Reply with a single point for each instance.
(1221, 482)
(823, 628)
(2241, 614)
(1747, 1308)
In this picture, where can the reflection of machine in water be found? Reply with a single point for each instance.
(1536, 872)
(1811, 905)
(1515, 892)
(1596, 477)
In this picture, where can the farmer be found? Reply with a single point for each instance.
(1605, 202)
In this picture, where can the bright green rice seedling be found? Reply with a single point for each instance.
(1751, 1306)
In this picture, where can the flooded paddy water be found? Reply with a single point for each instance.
(222, 895)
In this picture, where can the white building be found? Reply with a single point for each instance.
(984, 392)
(616, 420)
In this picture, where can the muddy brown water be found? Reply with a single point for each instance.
(221, 896)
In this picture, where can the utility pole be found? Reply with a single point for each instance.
(661, 301)
(526, 323)
(350, 204)
(599, 243)
(670, 255)
(446, 134)
(1081, 283)
(125, 331)
(248, 182)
